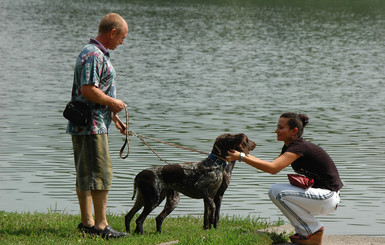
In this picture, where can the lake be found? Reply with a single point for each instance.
(190, 71)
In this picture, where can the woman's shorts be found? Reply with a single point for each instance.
(92, 162)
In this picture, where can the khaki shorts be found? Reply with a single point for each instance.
(92, 162)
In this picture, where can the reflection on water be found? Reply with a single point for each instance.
(190, 71)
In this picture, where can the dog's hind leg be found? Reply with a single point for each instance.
(148, 207)
(151, 192)
(172, 201)
(150, 203)
(139, 203)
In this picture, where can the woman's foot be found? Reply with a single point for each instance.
(312, 239)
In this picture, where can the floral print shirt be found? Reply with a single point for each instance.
(93, 66)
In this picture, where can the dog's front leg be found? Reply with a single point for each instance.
(217, 201)
(209, 212)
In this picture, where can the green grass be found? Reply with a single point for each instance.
(60, 228)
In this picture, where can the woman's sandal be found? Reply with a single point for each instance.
(312, 239)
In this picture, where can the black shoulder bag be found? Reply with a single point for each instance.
(78, 111)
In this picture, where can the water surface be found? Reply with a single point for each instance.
(190, 71)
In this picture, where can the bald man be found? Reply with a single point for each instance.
(94, 82)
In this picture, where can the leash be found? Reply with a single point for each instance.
(142, 138)
(212, 156)
(167, 143)
(127, 140)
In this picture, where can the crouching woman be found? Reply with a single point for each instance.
(297, 204)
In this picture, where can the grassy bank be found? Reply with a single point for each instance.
(58, 228)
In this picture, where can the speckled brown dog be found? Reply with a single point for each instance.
(207, 180)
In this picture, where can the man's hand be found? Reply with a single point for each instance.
(96, 95)
(116, 105)
(119, 124)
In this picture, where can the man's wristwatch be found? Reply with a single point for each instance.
(241, 156)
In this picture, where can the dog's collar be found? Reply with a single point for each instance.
(218, 160)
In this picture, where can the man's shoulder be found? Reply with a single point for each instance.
(91, 51)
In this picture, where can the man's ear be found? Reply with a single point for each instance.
(113, 32)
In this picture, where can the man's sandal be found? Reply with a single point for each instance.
(86, 229)
(109, 232)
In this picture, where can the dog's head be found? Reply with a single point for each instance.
(226, 142)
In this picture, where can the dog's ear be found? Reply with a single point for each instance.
(226, 142)
(221, 141)
(238, 141)
(238, 138)
(245, 145)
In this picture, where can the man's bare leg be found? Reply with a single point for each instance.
(100, 207)
(85, 203)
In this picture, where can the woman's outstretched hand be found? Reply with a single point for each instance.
(233, 155)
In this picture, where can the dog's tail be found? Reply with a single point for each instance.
(135, 188)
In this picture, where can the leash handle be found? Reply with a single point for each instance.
(127, 140)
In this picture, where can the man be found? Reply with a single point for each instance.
(94, 80)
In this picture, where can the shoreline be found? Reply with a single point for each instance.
(332, 239)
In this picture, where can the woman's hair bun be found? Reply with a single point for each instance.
(304, 119)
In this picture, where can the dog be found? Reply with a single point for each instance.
(207, 180)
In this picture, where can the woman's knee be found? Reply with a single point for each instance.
(274, 191)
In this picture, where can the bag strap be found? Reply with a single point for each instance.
(108, 89)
